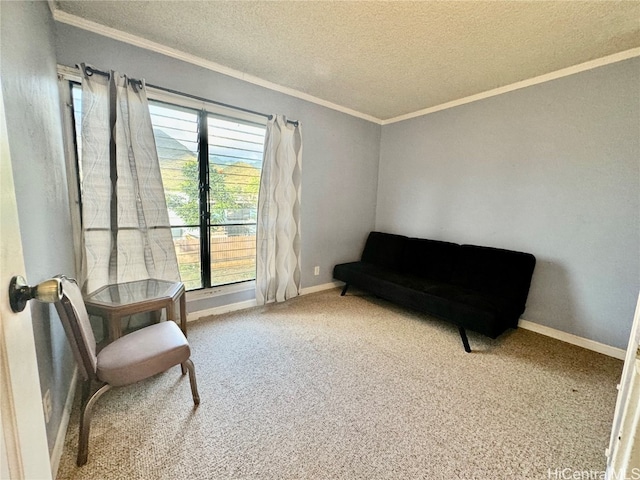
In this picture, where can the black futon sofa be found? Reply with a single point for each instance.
(478, 288)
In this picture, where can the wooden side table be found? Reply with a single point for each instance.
(112, 302)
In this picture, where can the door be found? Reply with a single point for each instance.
(23, 444)
(624, 448)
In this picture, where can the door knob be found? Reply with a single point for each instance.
(20, 292)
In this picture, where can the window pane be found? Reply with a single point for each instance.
(235, 164)
(233, 254)
(76, 95)
(176, 133)
(187, 242)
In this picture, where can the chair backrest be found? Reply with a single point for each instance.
(77, 326)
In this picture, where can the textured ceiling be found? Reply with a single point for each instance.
(383, 59)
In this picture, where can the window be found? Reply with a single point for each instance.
(210, 165)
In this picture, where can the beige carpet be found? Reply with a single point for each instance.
(353, 387)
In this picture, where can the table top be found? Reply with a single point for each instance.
(131, 293)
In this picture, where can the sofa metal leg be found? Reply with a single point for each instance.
(465, 340)
(344, 290)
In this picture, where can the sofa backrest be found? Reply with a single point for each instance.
(505, 273)
(384, 249)
(431, 259)
(495, 271)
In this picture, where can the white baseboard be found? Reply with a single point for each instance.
(320, 288)
(58, 446)
(573, 339)
(232, 307)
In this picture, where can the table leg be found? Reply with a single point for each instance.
(170, 308)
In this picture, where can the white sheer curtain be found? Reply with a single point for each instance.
(278, 226)
(125, 224)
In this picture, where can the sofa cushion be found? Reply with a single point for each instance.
(394, 286)
(431, 259)
(356, 272)
(362, 273)
(495, 271)
(384, 249)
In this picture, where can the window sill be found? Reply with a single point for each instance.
(213, 292)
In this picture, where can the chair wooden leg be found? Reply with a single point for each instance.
(192, 380)
(85, 424)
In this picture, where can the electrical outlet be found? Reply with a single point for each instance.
(46, 405)
(316, 270)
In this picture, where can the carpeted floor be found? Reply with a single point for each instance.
(353, 387)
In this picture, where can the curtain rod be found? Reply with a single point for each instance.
(91, 70)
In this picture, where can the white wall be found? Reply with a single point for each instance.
(339, 160)
(552, 169)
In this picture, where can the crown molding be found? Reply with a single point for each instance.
(547, 77)
(75, 21)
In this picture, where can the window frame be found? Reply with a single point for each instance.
(203, 109)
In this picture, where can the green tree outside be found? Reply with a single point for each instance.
(224, 194)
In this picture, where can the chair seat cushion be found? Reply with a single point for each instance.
(142, 354)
